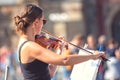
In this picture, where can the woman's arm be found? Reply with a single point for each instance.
(47, 56)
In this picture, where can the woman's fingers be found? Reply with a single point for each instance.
(99, 55)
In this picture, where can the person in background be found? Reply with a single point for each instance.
(4, 53)
(77, 40)
(111, 48)
(113, 67)
(36, 61)
(101, 46)
(92, 42)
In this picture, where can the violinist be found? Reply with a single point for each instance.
(35, 59)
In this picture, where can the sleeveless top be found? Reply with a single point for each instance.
(35, 70)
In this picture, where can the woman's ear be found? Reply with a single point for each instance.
(36, 22)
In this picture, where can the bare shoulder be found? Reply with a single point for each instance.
(33, 47)
(29, 51)
(30, 48)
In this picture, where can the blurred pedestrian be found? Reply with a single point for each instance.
(92, 42)
(110, 50)
(4, 52)
(102, 44)
(77, 40)
(113, 67)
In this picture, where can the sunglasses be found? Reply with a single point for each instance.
(44, 21)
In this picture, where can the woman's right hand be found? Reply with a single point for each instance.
(99, 55)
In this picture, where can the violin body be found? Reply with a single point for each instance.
(47, 42)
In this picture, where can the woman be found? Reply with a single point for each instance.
(35, 59)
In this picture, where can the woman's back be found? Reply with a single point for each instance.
(35, 70)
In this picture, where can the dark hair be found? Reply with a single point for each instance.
(28, 15)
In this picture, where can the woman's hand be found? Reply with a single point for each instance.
(59, 45)
(99, 55)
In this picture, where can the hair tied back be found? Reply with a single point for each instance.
(18, 19)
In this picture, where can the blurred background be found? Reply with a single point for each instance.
(68, 18)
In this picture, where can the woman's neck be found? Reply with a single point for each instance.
(28, 38)
(30, 34)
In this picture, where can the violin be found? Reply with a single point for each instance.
(51, 42)
(48, 42)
